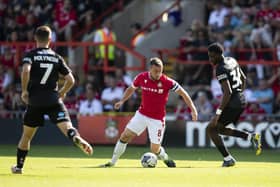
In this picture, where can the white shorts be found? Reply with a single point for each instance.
(139, 123)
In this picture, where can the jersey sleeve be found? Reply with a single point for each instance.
(221, 74)
(174, 85)
(137, 81)
(26, 59)
(63, 68)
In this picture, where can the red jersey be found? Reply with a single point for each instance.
(154, 94)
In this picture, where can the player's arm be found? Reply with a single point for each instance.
(127, 94)
(25, 76)
(243, 79)
(68, 84)
(226, 95)
(180, 91)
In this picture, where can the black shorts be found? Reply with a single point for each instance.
(230, 115)
(34, 115)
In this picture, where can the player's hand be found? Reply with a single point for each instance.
(118, 105)
(194, 115)
(24, 97)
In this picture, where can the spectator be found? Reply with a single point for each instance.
(200, 53)
(241, 46)
(123, 80)
(203, 106)
(216, 18)
(182, 112)
(245, 26)
(91, 105)
(138, 35)
(65, 19)
(276, 44)
(264, 96)
(4, 113)
(254, 112)
(105, 34)
(6, 79)
(7, 59)
(111, 93)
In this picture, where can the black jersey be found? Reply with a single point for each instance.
(230, 70)
(46, 65)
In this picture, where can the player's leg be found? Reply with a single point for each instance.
(135, 127)
(120, 147)
(23, 147)
(33, 117)
(232, 115)
(212, 132)
(68, 130)
(156, 130)
(60, 116)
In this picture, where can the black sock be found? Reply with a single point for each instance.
(218, 141)
(21, 154)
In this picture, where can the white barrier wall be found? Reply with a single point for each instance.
(196, 134)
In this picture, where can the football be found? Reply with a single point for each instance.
(149, 160)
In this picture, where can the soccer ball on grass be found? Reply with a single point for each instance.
(149, 160)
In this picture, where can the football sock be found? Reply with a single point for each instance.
(232, 132)
(71, 133)
(217, 140)
(162, 154)
(21, 154)
(249, 137)
(228, 158)
(118, 151)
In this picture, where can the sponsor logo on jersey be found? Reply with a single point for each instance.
(60, 115)
(154, 90)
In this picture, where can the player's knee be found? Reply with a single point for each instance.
(125, 138)
(25, 139)
(71, 133)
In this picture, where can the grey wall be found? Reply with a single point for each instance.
(168, 36)
(142, 11)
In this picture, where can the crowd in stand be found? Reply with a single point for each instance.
(249, 31)
(19, 18)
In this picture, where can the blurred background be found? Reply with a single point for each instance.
(107, 42)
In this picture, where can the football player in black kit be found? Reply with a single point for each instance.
(41, 69)
(232, 81)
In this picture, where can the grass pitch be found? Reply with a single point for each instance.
(66, 166)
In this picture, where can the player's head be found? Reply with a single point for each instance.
(43, 34)
(215, 53)
(156, 68)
